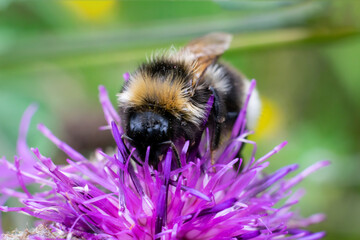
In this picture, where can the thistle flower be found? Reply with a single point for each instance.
(111, 197)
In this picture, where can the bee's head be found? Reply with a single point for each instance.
(148, 128)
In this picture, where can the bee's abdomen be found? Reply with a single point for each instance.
(229, 84)
(233, 88)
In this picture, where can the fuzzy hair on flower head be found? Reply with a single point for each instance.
(111, 197)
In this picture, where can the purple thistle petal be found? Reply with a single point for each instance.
(233, 148)
(162, 202)
(20, 177)
(126, 76)
(306, 235)
(211, 184)
(109, 111)
(69, 236)
(98, 198)
(305, 173)
(135, 180)
(240, 121)
(314, 236)
(248, 235)
(263, 184)
(8, 178)
(160, 212)
(61, 145)
(240, 184)
(146, 168)
(21, 146)
(272, 152)
(117, 135)
(93, 176)
(183, 153)
(12, 193)
(217, 208)
(12, 168)
(192, 191)
(252, 158)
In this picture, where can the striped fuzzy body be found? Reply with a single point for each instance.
(164, 86)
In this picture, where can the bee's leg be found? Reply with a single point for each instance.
(173, 147)
(231, 117)
(124, 136)
(177, 156)
(219, 119)
(215, 142)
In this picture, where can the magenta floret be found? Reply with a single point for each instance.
(111, 197)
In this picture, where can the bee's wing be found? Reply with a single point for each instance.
(206, 50)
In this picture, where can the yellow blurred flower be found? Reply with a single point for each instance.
(269, 121)
(91, 10)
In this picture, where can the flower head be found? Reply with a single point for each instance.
(112, 197)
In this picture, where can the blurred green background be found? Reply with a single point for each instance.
(304, 54)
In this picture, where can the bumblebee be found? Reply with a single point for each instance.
(165, 101)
